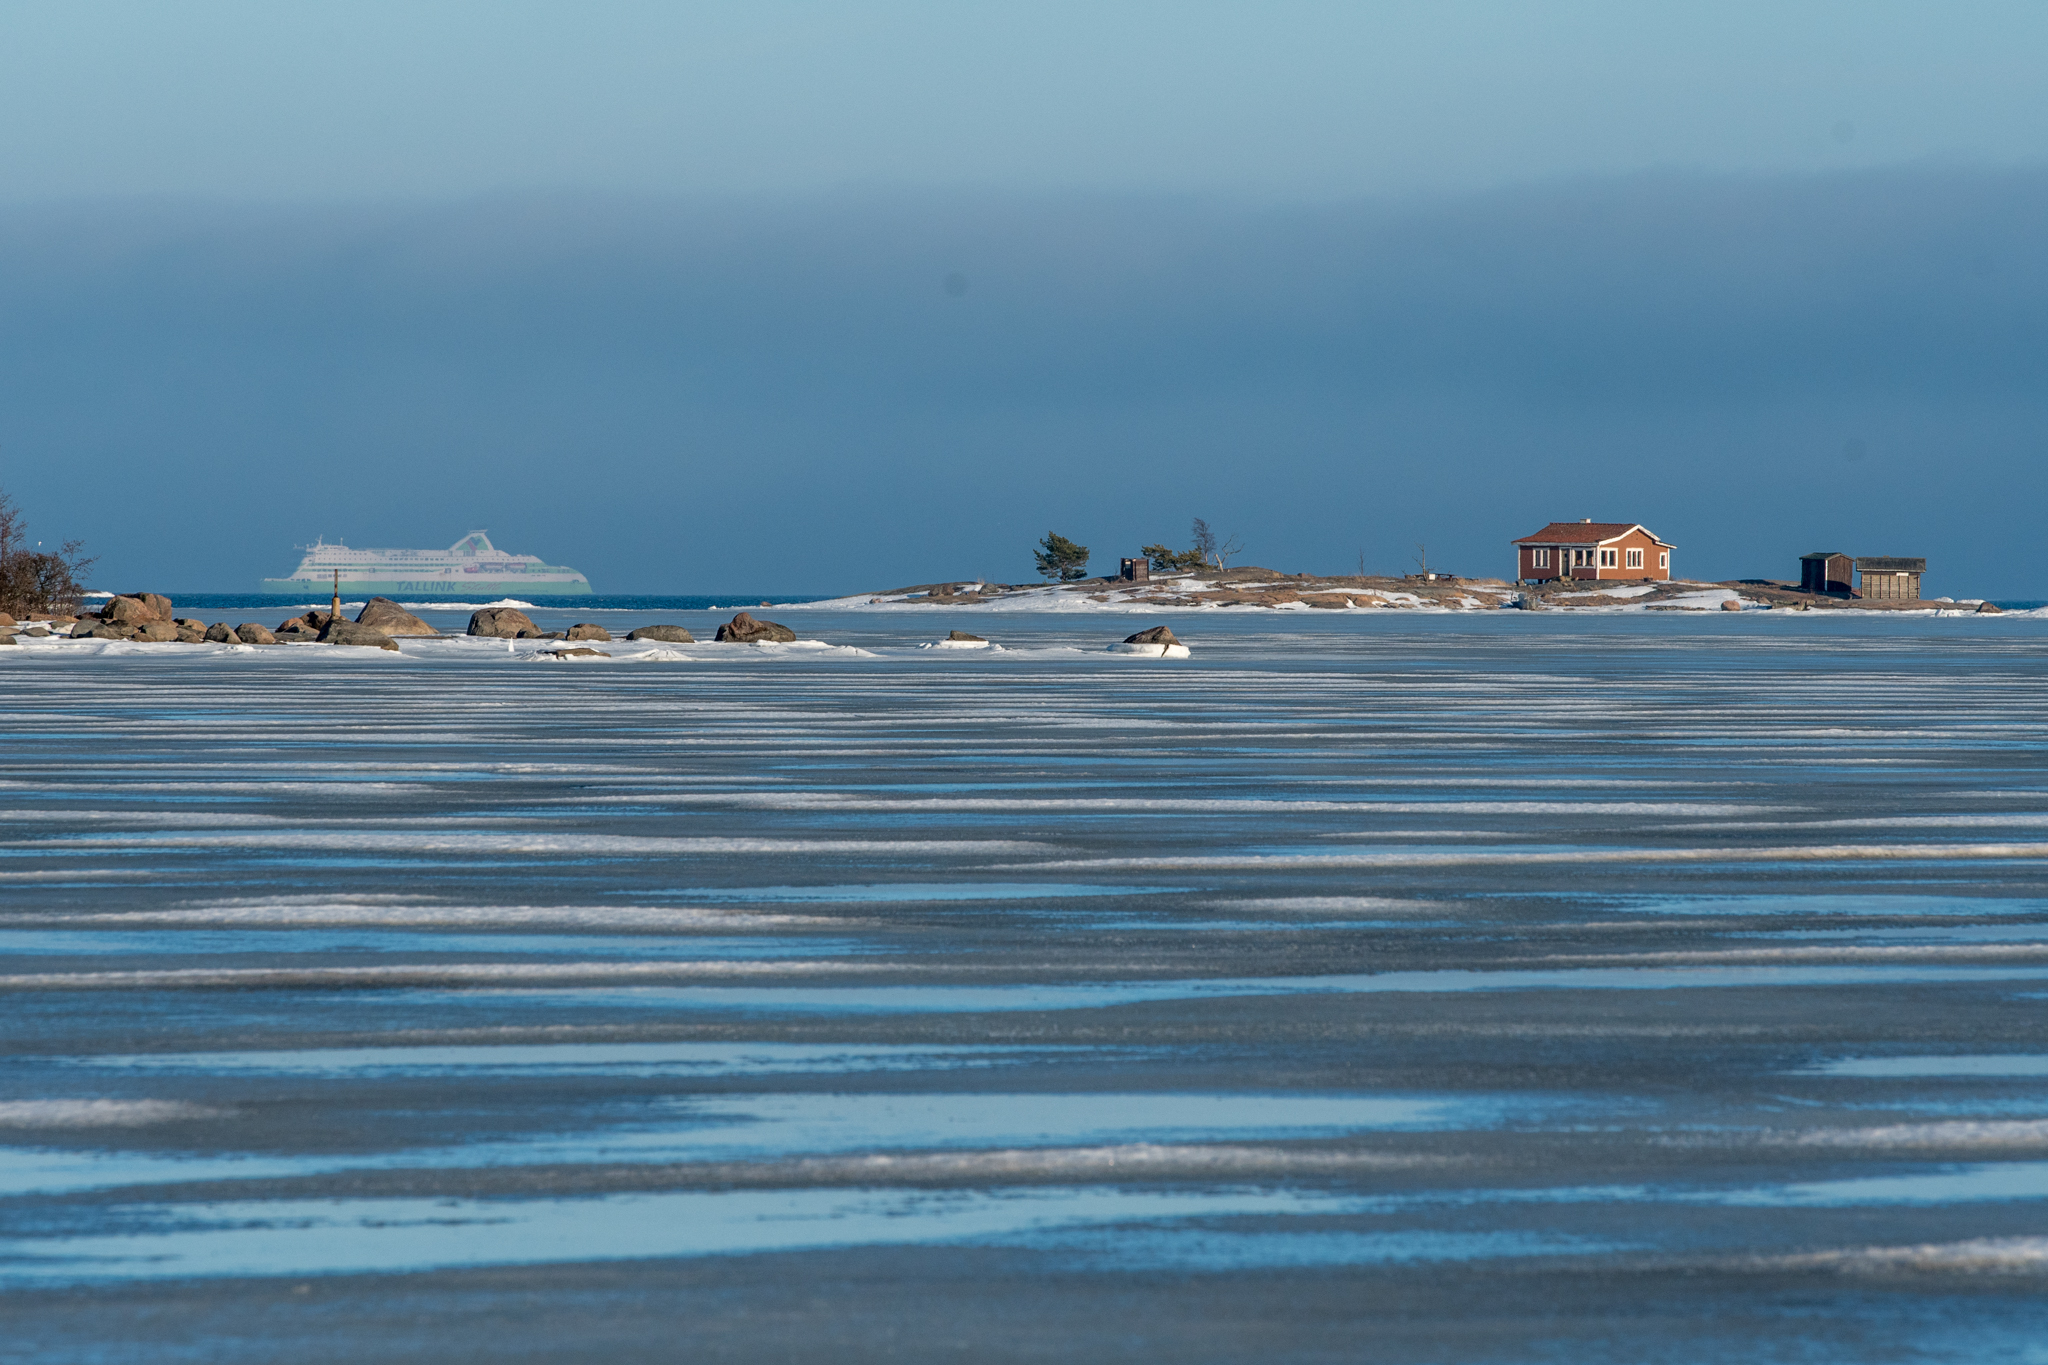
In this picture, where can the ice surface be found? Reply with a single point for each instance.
(1358, 964)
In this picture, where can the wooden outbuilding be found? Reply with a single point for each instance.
(1889, 578)
(1592, 549)
(1134, 570)
(1826, 571)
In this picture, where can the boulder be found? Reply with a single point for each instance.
(6, 621)
(381, 613)
(188, 636)
(574, 652)
(539, 634)
(155, 632)
(38, 632)
(1156, 643)
(220, 633)
(156, 602)
(189, 623)
(673, 635)
(312, 621)
(745, 630)
(502, 623)
(587, 631)
(101, 630)
(129, 611)
(342, 631)
(1731, 605)
(963, 635)
(1983, 607)
(7, 639)
(249, 633)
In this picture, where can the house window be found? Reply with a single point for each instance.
(1581, 558)
(1663, 559)
(1607, 558)
(1539, 559)
(1635, 559)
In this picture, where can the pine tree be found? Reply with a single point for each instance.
(1061, 559)
(1172, 561)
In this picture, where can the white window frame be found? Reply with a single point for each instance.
(1663, 559)
(1539, 559)
(1633, 559)
(1610, 559)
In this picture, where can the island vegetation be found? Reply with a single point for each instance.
(33, 579)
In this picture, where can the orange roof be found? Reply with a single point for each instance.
(1588, 533)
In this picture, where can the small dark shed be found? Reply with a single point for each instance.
(1890, 577)
(1135, 570)
(1825, 571)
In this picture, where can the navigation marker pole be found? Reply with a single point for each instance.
(335, 614)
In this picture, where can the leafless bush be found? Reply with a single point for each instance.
(33, 579)
(1215, 550)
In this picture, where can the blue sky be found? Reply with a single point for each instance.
(659, 290)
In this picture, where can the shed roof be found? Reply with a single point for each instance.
(1826, 554)
(1891, 564)
(1588, 533)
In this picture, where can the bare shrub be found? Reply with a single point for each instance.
(32, 579)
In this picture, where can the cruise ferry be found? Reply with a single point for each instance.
(471, 567)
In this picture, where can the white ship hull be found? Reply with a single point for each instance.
(469, 568)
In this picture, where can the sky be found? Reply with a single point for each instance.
(821, 298)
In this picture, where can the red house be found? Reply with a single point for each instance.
(1592, 549)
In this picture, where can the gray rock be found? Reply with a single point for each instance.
(381, 613)
(219, 633)
(38, 632)
(1158, 635)
(1983, 607)
(744, 629)
(502, 623)
(188, 636)
(6, 639)
(963, 635)
(249, 633)
(342, 631)
(587, 631)
(101, 630)
(537, 634)
(674, 635)
(156, 632)
(575, 652)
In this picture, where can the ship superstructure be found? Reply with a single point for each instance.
(471, 566)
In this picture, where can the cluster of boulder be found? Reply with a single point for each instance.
(509, 623)
(149, 616)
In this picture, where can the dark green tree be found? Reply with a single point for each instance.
(1172, 561)
(1061, 559)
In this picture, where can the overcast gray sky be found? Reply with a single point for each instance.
(660, 289)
